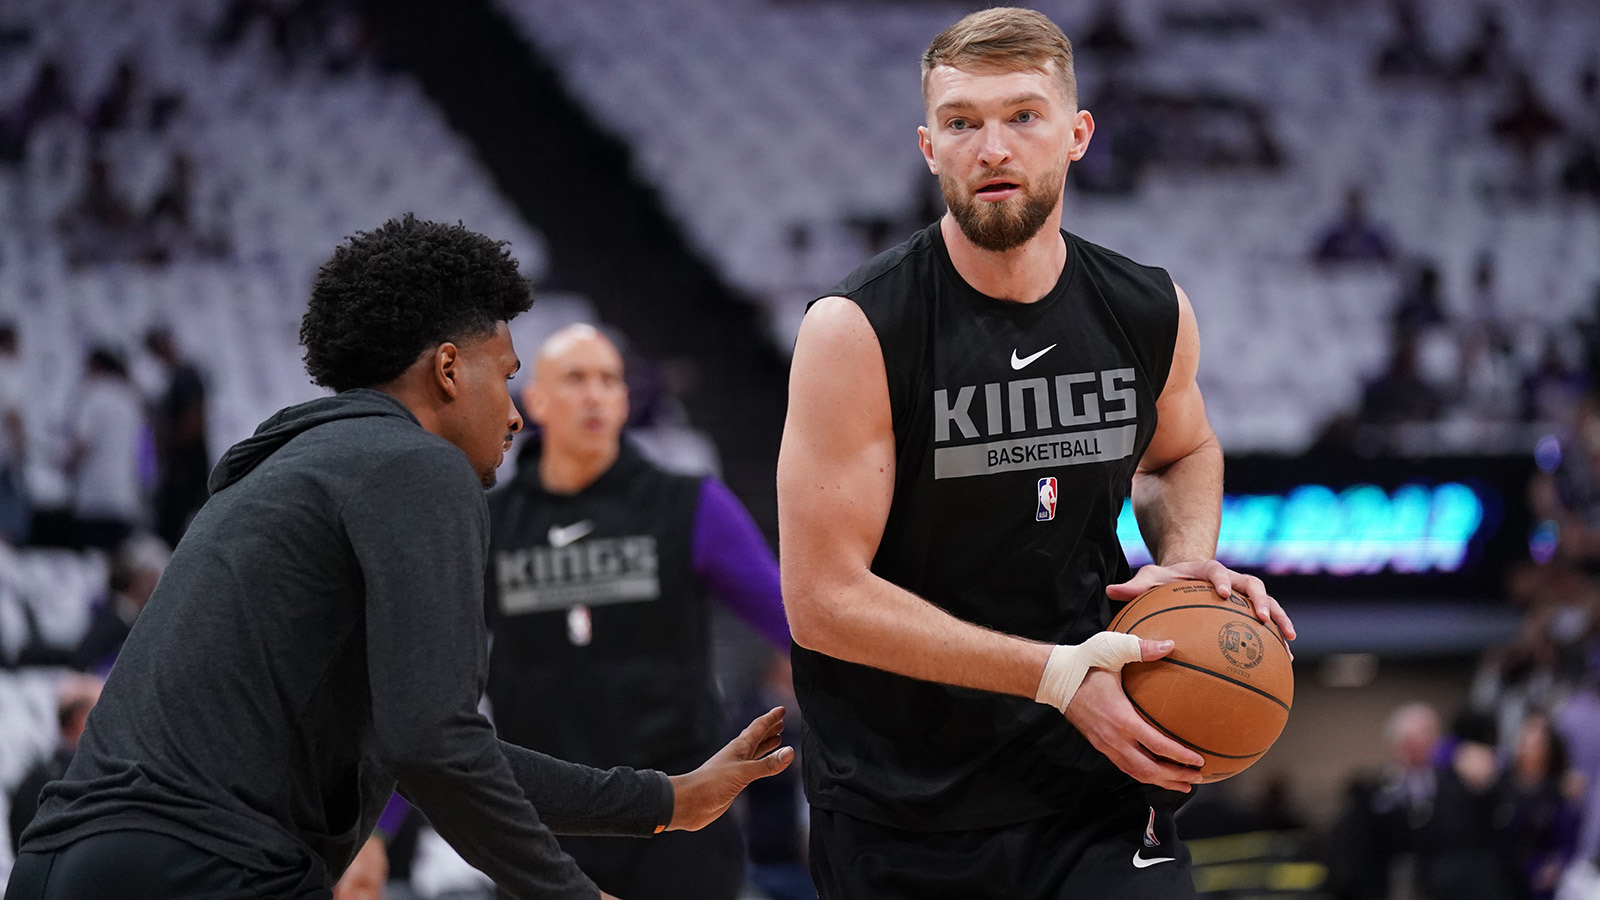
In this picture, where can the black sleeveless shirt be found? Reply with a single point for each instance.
(1017, 431)
(602, 629)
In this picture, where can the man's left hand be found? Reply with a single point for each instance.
(1225, 580)
(699, 797)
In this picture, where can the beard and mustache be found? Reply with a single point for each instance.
(998, 227)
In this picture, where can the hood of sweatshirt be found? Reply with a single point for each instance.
(286, 424)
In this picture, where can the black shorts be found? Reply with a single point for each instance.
(143, 865)
(1127, 852)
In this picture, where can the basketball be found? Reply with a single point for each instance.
(1226, 688)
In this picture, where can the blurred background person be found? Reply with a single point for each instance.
(75, 696)
(106, 456)
(15, 509)
(602, 568)
(178, 420)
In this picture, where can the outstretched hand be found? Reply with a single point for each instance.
(707, 792)
(1225, 580)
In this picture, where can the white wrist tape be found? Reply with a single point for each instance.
(1069, 664)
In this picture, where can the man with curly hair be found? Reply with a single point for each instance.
(318, 637)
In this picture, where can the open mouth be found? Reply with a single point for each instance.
(998, 187)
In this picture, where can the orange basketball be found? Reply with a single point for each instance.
(1226, 688)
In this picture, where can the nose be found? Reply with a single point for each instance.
(994, 152)
(514, 424)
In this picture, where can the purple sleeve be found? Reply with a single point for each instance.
(393, 816)
(732, 557)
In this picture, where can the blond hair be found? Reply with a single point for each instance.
(1007, 38)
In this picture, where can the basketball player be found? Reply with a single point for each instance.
(603, 566)
(318, 634)
(967, 413)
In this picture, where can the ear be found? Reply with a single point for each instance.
(533, 401)
(447, 369)
(1082, 131)
(925, 141)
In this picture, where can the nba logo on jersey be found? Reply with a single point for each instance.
(1047, 499)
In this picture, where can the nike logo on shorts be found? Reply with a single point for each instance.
(1140, 862)
(560, 537)
(1020, 364)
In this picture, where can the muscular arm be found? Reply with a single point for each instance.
(835, 484)
(1177, 490)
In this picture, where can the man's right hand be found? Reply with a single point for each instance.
(706, 793)
(1101, 711)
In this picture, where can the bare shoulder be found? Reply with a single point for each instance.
(836, 344)
(834, 322)
(838, 385)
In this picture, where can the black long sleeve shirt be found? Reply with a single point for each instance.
(317, 639)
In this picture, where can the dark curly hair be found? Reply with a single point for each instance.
(388, 294)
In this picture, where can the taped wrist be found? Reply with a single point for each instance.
(1070, 663)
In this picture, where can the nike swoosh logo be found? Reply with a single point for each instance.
(560, 537)
(1019, 364)
(1140, 862)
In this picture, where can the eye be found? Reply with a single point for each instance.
(1027, 116)
(959, 125)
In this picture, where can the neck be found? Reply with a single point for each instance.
(1022, 274)
(414, 399)
(563, 470)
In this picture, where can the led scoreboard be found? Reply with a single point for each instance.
(1446, 526)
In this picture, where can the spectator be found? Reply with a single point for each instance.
(1400, 395)
(15, 509)
(1420, 306)
(1107, 35)
(183, 462)
(1580, 166)
(97, 226)
(1553, 387)
(1379, 817)
(1577, 720)
(168, 223)
(1580, 171)
(1353, 237)
(1458, 854)
(1526, 124)
(75, 696)
(117, 107)
(1488, 57)
(1407, 56)
(47, 98)
(135, 569)
(1536, 812)
(107, 439)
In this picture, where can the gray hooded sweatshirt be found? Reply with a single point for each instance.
(318, 638)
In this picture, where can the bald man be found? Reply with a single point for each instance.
(601, 566)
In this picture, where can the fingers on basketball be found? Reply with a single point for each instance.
(1225, 691)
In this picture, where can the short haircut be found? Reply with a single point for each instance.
(1004, 37)
(390, 294)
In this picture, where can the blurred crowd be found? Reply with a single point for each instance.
(1461, 355)
(82, 149)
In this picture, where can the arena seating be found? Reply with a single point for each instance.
(765, 119)
(287, 163)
